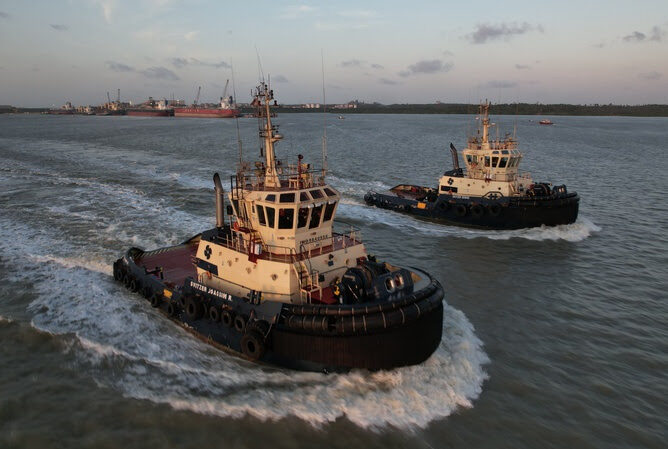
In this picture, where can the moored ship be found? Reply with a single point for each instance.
(152, 108)
(66, 109)
(275, 283)
(490, 192)
(226, 108)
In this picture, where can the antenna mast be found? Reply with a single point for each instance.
(324, 118)
(236, 118)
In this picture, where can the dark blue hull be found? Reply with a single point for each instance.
(479, 212)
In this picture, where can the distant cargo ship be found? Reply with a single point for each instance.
(65, 109)
(152, 108)
(225, 109)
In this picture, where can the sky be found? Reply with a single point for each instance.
(387, 51)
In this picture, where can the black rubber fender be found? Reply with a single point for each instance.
(494, 210)
(214, 314)
(156, 299)
(460, 210)
(477, 211)
(253, 345)
(194, 309)
(227, 318)
(240, 323)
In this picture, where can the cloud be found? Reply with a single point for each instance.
(279, 79)
(650, 75)
(656, 34)
(522, 66)
(351, 63)
(118, 67)
(4, 15)
(427, 66)
(160, 73)
(190, 36)
(500, 84)
(488, 32)
(59, 27)
(389, 82)
(179, 63)
(636, 36)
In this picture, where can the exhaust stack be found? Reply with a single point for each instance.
(220, 201)
(455, 157)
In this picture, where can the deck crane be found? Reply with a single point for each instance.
(197, 98)
(225, 90)
(108, 98)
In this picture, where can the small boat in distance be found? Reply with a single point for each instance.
(276, 284)
(490, 192)
(66, 109)
(545, 122)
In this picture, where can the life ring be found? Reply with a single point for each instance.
(156, 299)
(227, 318)
(477, 211)
(252, 345)
(494, 210)
(214, 314)
(460, 210)
(194, 309)
(240, 323)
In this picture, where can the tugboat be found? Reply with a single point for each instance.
(490, 193)
(275, 284)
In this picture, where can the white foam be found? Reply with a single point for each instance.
(125, 344)
(4, 319)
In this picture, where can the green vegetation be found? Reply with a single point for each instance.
(646, 110)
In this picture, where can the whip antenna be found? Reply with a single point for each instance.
(324, 120)
(236, 117)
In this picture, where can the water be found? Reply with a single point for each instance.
(553, 337)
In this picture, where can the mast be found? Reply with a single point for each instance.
(484, 112)
(324, 119)
(270, 135)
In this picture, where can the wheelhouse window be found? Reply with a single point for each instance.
(271, 213)
(286, 218)
(304, 196)
(315, 217)
(271, 198)
(260, 215)
(329, 211)
(503, 162)
(316, 194)
(468, 159)
(495, 161)
(329, 192)
(486, 161)
(287, 198)
(302, 217)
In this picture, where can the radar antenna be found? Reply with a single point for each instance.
(324, 120)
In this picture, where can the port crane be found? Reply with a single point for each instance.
(199, 89)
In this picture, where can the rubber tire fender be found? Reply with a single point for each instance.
(214, 314)
(252, 345)
(156, 299)
(194, 309)
(477, 211)
(494, 210)
(172, 309)
(227, 318)
(240, 322)
(460, 210)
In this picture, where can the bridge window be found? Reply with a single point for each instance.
(260, 215)
(468, 159)
(315, 217)
(486, 161)
(329, 192)
(503, 162)
(286, 218)
(287, 198)
(495, 161)
(316, 194)
(329, 211)
(271, 198)
(303, 196)
(302, 218)
(271, 213)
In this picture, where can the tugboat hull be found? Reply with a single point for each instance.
(331, 338)
(503, 213)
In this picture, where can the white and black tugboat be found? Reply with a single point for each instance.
(276, 284)
(490, 192)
